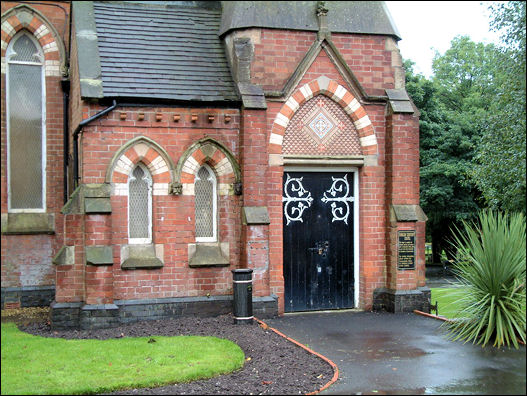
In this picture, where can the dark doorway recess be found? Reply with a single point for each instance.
(318, 240)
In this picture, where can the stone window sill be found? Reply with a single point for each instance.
(28, 223)
(141, 256)
(208, 255)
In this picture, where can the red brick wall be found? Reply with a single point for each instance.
(392, 180)
(26, 259)
(369, 60)
(70, 278)
(277, 54)
(255, 238)
(372, 198)
(173, 215)
(402, 179)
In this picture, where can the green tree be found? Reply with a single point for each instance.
(443, 198)
(447, 135)
(499, 170)
(456, 106)
(472, 127)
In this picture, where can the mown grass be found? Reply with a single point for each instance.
(448, 301)
(38, 365)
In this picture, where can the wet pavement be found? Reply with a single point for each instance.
(385, 353)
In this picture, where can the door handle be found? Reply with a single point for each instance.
(321, 248)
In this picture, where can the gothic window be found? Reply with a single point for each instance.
(205, 204)
(26, 152)
(140, 206)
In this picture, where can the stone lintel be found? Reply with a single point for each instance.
(399, 101)
(65, 256)
(101, 190)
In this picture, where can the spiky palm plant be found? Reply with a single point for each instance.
(491, 266)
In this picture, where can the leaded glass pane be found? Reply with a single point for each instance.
(25, 136)
(25, 50)
(204, 190)
(138, 204)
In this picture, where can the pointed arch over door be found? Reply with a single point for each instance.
(336, 92)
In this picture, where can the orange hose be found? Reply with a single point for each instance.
(333, 365)
(432, 316)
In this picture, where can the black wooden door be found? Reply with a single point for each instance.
(318, 240)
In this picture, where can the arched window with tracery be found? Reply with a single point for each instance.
(140, 206)
(26, 117)
(205, 185)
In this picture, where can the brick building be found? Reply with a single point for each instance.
(150, 148)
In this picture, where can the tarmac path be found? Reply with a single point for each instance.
(385, 353)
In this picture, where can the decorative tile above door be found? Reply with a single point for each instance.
(321, 127)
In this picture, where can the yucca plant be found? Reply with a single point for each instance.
(491, 265)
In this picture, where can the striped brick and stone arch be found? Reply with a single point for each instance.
(218, 157)
(23, 17)
(336, 92)
(152, 155)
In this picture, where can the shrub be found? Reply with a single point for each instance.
(492, 268)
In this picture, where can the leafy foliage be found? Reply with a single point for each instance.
(499, 170)
(472, 127)
(492, 269)
(446, 156)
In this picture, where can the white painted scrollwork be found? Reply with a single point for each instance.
(303, 199)
(339, 204)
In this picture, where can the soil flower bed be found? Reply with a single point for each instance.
(273, 365)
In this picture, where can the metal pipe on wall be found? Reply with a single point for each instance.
(76, 139)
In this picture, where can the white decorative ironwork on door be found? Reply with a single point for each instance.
(340, 208)
(303, 199)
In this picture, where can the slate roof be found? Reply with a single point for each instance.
(162, 52)
(364, 17)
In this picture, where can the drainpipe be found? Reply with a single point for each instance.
(65, 85)
(76, 139)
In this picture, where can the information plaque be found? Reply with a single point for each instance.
(406, 250)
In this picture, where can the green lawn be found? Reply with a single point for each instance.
(447, 301)
(38, 365)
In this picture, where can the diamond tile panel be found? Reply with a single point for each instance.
(321, 127)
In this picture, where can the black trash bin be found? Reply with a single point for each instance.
(243, 296)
